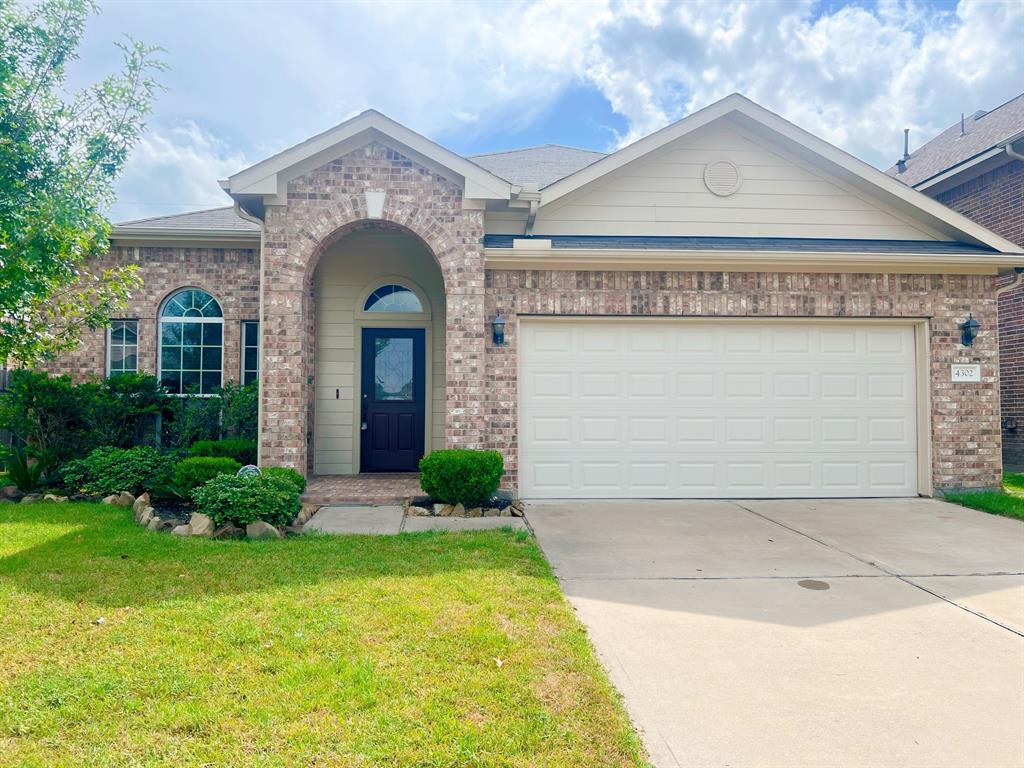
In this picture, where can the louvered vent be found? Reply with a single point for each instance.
(722, 178)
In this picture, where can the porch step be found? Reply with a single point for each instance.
(365, 489)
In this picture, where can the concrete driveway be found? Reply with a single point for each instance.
(803, 633)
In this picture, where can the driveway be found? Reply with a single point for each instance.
(803, 633)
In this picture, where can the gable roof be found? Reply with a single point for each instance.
(798, 143)
(269, 178)
(983, 131)
(537, 166)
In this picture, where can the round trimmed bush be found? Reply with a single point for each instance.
(109, 470)
(245, 499)
(461, 476)
(192, 472)
(286, 473)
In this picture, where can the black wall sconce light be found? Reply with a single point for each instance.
(498, 329)
(969, 330)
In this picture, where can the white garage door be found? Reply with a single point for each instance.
(688, 408)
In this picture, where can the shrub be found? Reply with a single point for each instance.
(289, 474)
(461, 476)
(25, 472)
(239, 449)
(109, 470)
(195, 471)
(245, 499)
(239, 410)
(64, 420)
(190, 419)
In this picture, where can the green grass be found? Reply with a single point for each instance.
(1009, 502)
(429, 650)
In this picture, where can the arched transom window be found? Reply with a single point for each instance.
(393, 298)
(191, 343)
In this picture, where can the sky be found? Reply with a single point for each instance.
(248, 79)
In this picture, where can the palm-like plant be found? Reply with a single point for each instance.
(25, 471)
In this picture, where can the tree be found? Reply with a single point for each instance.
(59, 157)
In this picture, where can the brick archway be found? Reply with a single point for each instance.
(323, 207)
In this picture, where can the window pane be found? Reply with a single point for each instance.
(211, 333)
(191, 303)
(211, 359)
(392, 298)
(170, 333)
(251, 360)
(210, 382)
(190, 381)
(117, 333)
(116, 357)
(131, 331)
(172, 382)
(248, 377)
(252, 334)
(191, 358)
(192, 333)
(130, 359)
(393, 369)
(170, 358)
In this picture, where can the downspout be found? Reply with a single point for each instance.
(1012, 152)
(1017, 282)
(244, 214)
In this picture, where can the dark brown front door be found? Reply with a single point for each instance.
(393, 399)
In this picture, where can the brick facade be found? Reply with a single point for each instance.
(230, 275)
(323, 206)
(996, 200)
(965, 417)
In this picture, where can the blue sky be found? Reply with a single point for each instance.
(249, 79)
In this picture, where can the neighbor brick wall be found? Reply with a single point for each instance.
(996, 200)
(231, 275)
(322, 207)
(965, 417)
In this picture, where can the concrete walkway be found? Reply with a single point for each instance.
(384, 519)
(803, 633)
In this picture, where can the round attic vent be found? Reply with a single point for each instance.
(722, 178)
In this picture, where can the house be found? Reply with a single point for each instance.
(976, 167)
(728, 307)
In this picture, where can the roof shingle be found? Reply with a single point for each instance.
(542, 165)
(218, 219)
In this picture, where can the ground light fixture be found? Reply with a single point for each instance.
(498, 329)
(969, 330)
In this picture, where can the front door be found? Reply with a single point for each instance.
(392, 399)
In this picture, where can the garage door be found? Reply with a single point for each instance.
(688, 408)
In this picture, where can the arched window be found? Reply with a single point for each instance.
(191, 343)
(392, 298)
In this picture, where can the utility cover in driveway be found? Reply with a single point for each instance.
(640, 408)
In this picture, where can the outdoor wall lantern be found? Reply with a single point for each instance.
(969, 330)
(498, 329)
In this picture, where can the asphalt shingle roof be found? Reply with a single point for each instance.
(949, 148)
(787, 244)
(542, 165)
(219, 219)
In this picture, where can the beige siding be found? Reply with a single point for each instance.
(510, 222)
(347, 272)
(664, 194)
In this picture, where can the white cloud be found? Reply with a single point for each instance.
(247, 84)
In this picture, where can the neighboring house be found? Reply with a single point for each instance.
(976, 167)
(728, 307)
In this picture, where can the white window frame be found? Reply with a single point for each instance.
(161, 320)
(259, 344)
(110, 344)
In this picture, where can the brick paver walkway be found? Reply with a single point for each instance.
(390, 488)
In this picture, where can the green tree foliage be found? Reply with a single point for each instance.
(59, 158)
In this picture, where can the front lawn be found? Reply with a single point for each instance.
(123, 647)
(1009, 502)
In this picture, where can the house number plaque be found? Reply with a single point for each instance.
(966, 372)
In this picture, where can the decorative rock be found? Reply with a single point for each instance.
(508, 512)
(31, 498)
(293, 530)
(140, 504)
(459, 511)
(111, 499)
(475, 512)
(154, 524)
(517, 509)
(418, 511)
(229, 531)
(261, 530)
(201, 525)
(182, 530)
(11, 493)
(439, 509)
(55, 497)
(124, 499)
(146, 516)
(447, 510)
(308, 510)
(492, 512)
(83, 497)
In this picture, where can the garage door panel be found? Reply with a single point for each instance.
(634, 408)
